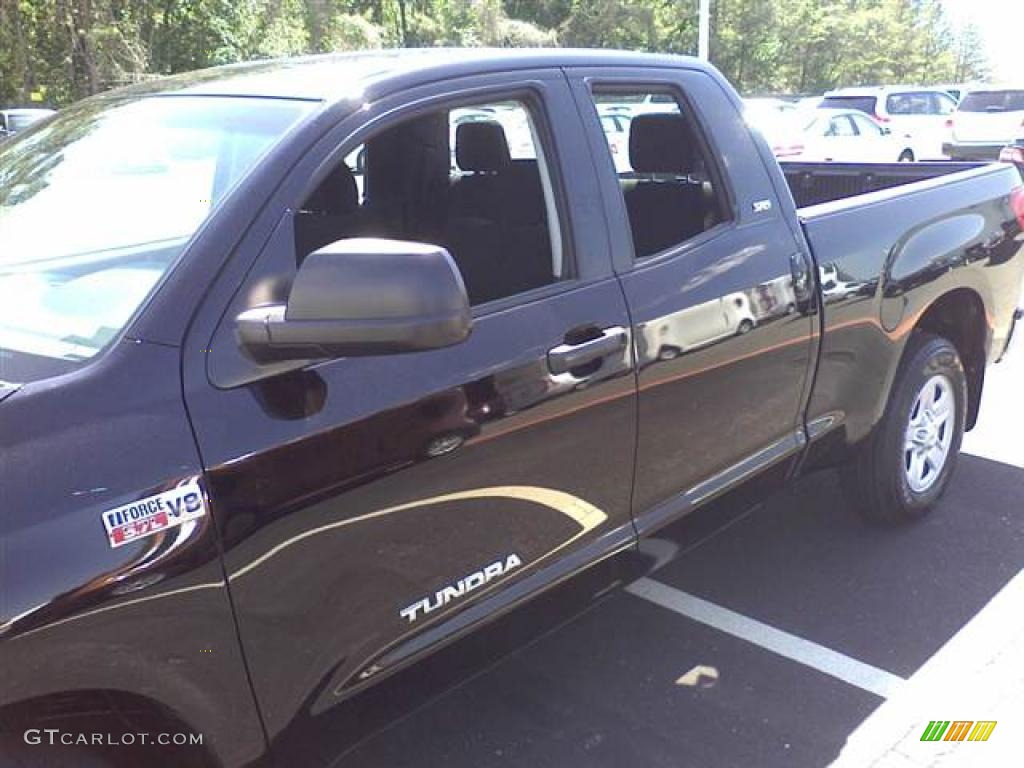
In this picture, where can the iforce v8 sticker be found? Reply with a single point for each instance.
(155, 513)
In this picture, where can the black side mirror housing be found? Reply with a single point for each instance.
(362, 296)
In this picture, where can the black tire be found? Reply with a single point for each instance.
(877, 480)
(746, 326)
(906, 156)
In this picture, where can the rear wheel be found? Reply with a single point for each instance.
(906, 156)
(904, 468)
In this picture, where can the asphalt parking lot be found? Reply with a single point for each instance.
(805, 617)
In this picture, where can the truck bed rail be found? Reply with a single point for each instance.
(814, 183)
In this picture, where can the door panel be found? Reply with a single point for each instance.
(723, 399)
(375, 508)
(409, 474)
(713, 407)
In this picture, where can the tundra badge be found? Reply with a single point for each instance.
(466, 584)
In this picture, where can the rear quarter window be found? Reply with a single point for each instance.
(993, 101)
(910, 104)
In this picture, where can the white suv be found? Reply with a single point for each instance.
(986, 120)
(920, 115)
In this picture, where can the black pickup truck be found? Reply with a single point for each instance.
(315, 371)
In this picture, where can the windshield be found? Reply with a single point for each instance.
(98, 203)
(993, 101)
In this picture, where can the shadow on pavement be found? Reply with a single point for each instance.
(600, 690)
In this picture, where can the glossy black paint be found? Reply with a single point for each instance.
(150, 618)
(897, 256)
(717, 320)
(345, 491)
(409, 472)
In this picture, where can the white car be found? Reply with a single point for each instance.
(839, 136)
(959, 90)
(616, 131)
(918, 114)
(695, 327)
(651, 103)
(759, 108)
(986, 121)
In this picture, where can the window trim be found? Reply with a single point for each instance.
(726, 196)
(533, 100)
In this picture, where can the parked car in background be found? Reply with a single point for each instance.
(14, 120)
(837, 135)
(918, 114)
(758, 107)
(695, 327)
(771, 115)
(616, 130)
(809, 102)
(1014, 153)
(986, 121)
(958, 90)
(619, 104)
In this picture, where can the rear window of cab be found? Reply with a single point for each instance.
(861, 103)
(993, 101)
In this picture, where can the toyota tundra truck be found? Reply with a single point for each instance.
(306, 388)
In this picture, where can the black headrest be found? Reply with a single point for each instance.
(337, 194)
(661, 143)
(481, 147)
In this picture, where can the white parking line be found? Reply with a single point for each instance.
(818, 657)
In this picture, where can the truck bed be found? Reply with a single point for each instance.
(815, 183)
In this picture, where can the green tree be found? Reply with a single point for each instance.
(971, 62)
(71, 48)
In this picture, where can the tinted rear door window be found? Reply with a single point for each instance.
(670, 188)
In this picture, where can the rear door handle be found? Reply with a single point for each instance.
(565, 357)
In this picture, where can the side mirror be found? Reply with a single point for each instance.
(362, 296)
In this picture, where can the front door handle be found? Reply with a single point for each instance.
(565, 357)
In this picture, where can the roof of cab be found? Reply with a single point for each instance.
(336, 76)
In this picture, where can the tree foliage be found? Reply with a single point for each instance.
(61, 50)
